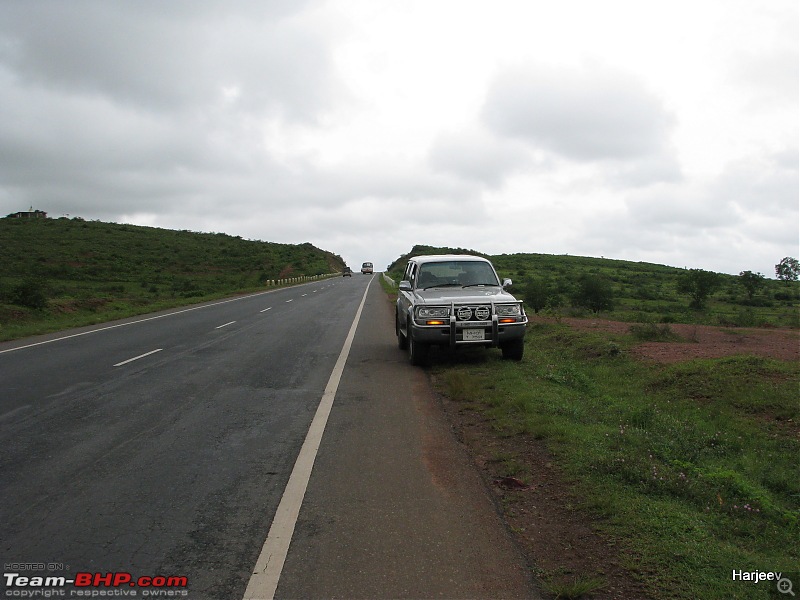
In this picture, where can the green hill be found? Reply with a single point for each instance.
(56, 273)
(640, 292)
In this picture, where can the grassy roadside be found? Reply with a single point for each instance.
(692, 468)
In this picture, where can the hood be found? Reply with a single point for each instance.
(477, 295)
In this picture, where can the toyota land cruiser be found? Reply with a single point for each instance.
(456, 300)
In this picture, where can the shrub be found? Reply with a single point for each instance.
(595, 293)
(31, 293)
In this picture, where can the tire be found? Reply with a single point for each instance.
(402, 340)
(417, 352)
(514, 349)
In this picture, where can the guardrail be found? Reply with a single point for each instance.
(299, 279)
(389, 280)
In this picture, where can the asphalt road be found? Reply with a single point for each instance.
(162, 446)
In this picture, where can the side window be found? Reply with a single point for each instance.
(412, 273)
(406, 275)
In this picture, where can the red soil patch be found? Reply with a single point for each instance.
(705, 341)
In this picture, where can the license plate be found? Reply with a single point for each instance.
(474, 335)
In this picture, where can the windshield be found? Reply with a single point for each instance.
(455, 273)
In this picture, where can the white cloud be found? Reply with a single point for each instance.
(582, 114)
(477, 155)
(628, 129)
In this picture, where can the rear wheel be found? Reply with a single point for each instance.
(514, 349)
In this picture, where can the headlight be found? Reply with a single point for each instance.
(508, 310)
(433, 312)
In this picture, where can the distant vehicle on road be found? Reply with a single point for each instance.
(456, 300)
(347, 272)
(366, 268)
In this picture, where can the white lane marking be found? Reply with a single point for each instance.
(225, 325)
(303, 295)
(125, 362)
(267, 571)
(11, 413)
(287, 302)
(177, 312)
(266, 309)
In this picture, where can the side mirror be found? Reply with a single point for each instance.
(405, 286)
(507, 283)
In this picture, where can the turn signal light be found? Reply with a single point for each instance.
(506, 320)
(434, 322)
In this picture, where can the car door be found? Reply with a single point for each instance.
(405, 298)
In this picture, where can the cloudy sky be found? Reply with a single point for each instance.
(662, 131)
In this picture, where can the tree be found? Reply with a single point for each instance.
(595, 293)
(539, 293)
(699, 285)
(752, 282)
(788, 269)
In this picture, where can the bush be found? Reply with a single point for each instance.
(31, 293)
(595, 293)
(540, 293)
(651, 332)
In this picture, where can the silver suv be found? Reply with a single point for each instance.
(456, 300)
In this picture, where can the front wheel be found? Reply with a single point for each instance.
(417, 352)
(514, 349)
(402, 340)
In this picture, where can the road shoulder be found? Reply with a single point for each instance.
(395, 507)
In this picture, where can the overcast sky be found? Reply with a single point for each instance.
(658, 131)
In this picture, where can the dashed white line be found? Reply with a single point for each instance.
(225, 325)
(287, 302)
(137, 321)
(125, 362)
(11, 413)
(266, 309)
(303, 295)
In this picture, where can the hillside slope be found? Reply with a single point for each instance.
(639, 292)
(60, 269)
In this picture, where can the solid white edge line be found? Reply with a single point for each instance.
(267, 571)
(125, 362)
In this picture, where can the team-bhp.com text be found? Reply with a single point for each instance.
(115, 584)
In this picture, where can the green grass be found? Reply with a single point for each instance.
(573, 589)
(59, 273)
(693, 467)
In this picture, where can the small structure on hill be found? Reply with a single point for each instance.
(28, 214)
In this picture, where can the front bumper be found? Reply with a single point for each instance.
(452, 332)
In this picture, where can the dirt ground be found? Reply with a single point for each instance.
(704, 341)
(557, 538)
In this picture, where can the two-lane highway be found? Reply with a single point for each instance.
(163, 444)
(277, 443)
